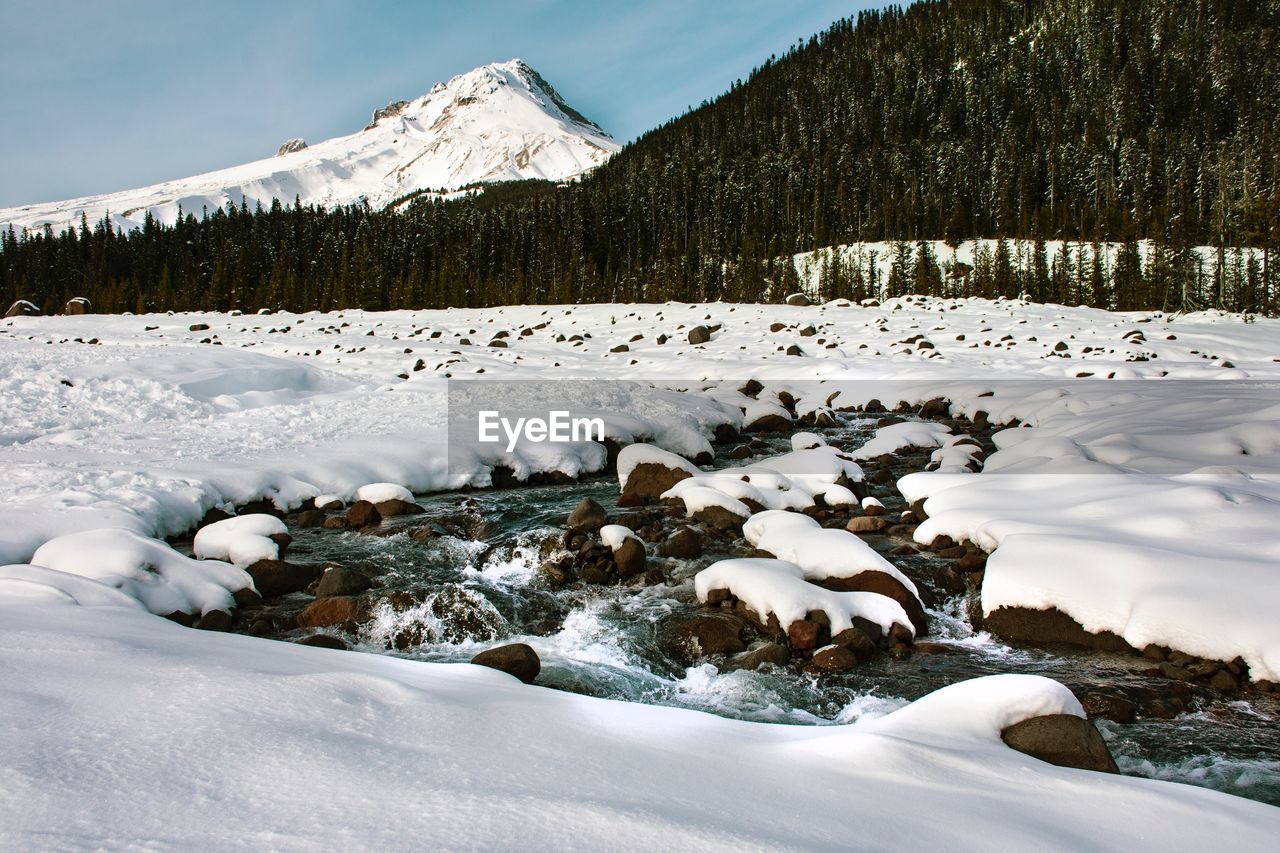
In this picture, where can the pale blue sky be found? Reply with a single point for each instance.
(100, 96)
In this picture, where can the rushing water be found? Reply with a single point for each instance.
(602, 641)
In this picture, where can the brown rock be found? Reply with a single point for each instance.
(770, 423)
(1049, 627)
(587, 516)
(339, 580)
(345, 610)
(629, 557)
(1109, 706)
(887, 585)
(309, 518)
(651, 479)
(775, 654)
(394, 507)
(685, 543)
(856, 641)
(363, 514)
(214, 620)
(866, 524)
(518, 659)
(1224, 681)
(699, 335)
(832, 659)
(1062, 739)
(276, 577)
(710, 634)
(802, 634)
(719, 518)
(324, 641)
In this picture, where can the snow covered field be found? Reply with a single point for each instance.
(1140, 497)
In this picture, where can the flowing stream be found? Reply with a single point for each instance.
(474, 593)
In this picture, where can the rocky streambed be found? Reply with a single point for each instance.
(455, 575)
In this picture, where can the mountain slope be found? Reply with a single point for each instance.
(494, 123)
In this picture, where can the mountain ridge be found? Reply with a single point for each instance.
(501, 121)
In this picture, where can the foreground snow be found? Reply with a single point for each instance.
(136, 732)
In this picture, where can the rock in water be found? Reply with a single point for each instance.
(651, 479)
(396, 506)
(276, 577)
(588, 516)
(339, 580)
(363, 514)
(684, 543)
(324, 641)
(1062, 739)
(708, 635)
(629, 557)
(518, 659)
(832, 659)
(344, 610)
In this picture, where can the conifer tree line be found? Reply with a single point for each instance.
(1149, 126)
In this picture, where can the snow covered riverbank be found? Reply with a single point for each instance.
(127, 730)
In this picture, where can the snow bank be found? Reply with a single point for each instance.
(242, 540)
(779, 587)
(1146, 513)
(148, 570)
(108, 694)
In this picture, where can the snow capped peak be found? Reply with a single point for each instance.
(502, 121)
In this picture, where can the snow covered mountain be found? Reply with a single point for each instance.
(498, 122)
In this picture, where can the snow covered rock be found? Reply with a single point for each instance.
(807, 441)
(22, 308)
(799, 300)
(77, 305)
(714, 507)
(778, 588)
(163, 580)
(241, 540)
(628, 550)
(900, 436)
(766, 416)
(646, 471)
(835, 559)
(376, 493)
